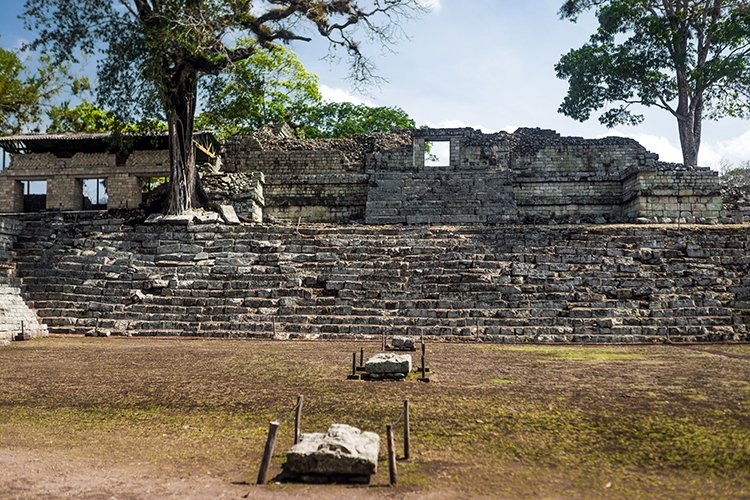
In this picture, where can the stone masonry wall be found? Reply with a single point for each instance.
(669, 193)
(476, 187)
(64, 177)
(13, 310)
(313, 180)
(505, 283)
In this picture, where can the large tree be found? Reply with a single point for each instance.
(690, 58)
(156, 51)
(269, 87)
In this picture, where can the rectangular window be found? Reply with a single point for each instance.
(5, 162)
(437, 153)
(154, 189)
(34, 195)
(94, 193)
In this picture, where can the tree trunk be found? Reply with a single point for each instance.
(185, 189)
(688, 142)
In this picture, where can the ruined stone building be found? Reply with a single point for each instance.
(529, 176)
(449, 233)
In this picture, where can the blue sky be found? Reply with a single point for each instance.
(487, 64)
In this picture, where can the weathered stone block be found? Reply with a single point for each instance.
(343, 452)
(386, 363)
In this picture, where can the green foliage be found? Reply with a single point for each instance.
(269, 87)
(154, 53)
(642, 50)
(24, 93)
(691, 59)
(345, 119)
(87, 117)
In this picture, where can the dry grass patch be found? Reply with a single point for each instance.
(501, 421)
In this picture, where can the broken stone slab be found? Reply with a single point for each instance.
(343, 453)
(387, 363)
(228, 214)
(205, 217)
(178, 220)
(403, 343)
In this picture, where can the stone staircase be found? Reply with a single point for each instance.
(501, 284)
(17, 321)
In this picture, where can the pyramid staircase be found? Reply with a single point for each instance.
(494, 283)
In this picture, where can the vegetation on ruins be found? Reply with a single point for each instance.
(691, 59)
(88, 117)
(24, 92)
(156, 52)
(342, 119)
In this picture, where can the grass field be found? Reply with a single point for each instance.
(135, 418)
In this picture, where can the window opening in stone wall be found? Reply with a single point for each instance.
(5, 162)
(153, 188)
(94, 194)
(437, 153)
(34, 195)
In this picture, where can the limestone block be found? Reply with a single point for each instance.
(403, 343)
(386, 363)
(342, 451)
(228, 214)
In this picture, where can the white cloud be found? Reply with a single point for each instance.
(459, 124)
(656, 144)
(734, 150)
(712, 153)
(432, 5)
(341, 95)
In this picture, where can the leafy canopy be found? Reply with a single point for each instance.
(150, 47)
(679, 55)
(269, 87)
(25, 93)
(345, 119)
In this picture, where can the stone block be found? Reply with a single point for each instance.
(386, 363)
(228, 214)
(403, 343)
(342, 453)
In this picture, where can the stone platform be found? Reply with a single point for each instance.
(518, 284)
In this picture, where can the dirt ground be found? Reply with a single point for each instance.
(185, 418)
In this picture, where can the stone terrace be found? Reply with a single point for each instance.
(13, 309)
(87, 274)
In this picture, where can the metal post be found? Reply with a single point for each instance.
(354, 375)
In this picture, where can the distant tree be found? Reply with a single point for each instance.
(25, 93)
(689, 58)
(269, 87)
(88, 117)
(156, 51)
(342, 119)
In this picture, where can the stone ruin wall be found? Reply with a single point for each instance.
(13, 309)
(320, 180)
(64, 177)
(94, 274)
(530, 176)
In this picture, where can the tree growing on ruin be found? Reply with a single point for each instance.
(154, 52)
(689, 58)
(269, 87)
